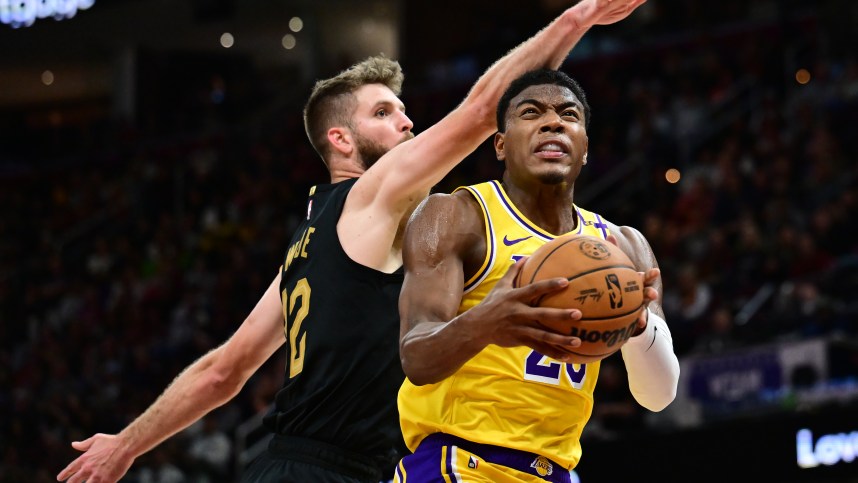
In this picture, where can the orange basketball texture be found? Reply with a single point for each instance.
(603, 283)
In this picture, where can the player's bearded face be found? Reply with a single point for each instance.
(370, 151)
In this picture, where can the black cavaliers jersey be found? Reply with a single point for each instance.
(342, 335)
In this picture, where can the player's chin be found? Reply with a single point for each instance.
(552, 176)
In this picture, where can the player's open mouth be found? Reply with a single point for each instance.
(551, 149)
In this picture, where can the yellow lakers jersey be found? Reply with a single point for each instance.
(513, 397)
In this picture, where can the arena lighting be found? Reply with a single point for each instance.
(828, 450)
(23, 13)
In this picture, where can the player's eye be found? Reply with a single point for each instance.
(570, 113)
(381, 113)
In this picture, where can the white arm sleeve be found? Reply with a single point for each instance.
(652, 366)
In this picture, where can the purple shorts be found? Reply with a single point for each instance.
(437, 460)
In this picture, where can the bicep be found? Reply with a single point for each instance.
(434, 276)
(638, 249)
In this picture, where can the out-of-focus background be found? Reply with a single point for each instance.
(153, 164)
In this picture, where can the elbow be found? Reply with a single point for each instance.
(657, 396)
(420, 379)
(661, 400)
(411, 372)
(223, 381)
(415, 372)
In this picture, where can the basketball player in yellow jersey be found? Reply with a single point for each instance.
(492, 395)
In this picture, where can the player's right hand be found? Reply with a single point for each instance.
(104, 461)
(604, 12)
(507, 318)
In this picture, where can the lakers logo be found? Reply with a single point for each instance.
(594, 249)
(542, 466)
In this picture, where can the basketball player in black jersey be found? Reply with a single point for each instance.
(335, 418)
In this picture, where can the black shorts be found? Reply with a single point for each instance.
(298, 460)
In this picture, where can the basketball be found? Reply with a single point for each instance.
(603, 283)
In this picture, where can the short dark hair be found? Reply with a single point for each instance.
(332, 102)
(535, 78)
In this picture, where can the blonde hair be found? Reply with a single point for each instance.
(332, 101)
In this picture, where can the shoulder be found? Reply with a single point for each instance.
(634, 244)
(447, 209)
(446, 222)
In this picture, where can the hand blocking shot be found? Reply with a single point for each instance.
(500, 375)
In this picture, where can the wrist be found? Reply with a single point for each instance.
(473, 338)
(640, 329)
(124, 447)
(576, 17)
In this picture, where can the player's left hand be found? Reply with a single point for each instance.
(104, 460)
(650, 294)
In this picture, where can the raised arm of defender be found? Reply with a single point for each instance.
(203, 386)
(403, 176)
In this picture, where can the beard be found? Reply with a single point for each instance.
(370, 151)
(551, 178)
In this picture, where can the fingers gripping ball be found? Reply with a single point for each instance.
(603, 283)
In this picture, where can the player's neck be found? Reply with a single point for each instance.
(548, 206)
(343, 169)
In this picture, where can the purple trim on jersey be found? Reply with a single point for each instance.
(425, 463)
(601, 225)
(512, 212)
(490, 242)
(580, 221)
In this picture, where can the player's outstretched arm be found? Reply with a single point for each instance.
(434, 341)
(206, 384)
(649, 358)
(405, 174)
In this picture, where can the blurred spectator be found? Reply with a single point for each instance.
(719, 335)
(210, 453)
(615, 411)
(160, 469)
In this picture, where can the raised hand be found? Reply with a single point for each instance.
(604, 12)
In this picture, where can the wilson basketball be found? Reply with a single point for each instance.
(603, 283)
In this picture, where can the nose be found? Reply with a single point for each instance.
(551, 122)
(406, 125)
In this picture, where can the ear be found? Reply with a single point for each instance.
(341, 140)
(500, 146)
(586, 147)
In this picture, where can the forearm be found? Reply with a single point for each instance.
(433, 351)
(652, 366)
(195, 392)
(548, 48)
